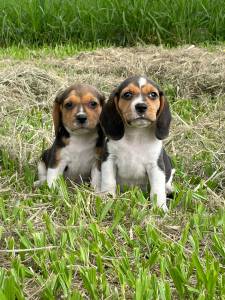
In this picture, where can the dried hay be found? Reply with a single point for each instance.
(28, 90)
(191, 71)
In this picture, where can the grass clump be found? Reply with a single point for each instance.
(73, 244)
(38, 22)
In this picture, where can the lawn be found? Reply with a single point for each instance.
(71, 243)
(177, 22)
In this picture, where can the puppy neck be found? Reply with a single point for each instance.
(134, 133)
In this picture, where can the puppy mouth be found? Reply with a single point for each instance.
(139, 122)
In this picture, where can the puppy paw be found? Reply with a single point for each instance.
(37, 183)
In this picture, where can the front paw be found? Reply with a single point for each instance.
(164, 207)
(108, 194)
(159, 200)
(52, 183)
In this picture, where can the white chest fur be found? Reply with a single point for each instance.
(79, 156)
(138, 150)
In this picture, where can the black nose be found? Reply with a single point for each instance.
(141, 108)
(81, 118)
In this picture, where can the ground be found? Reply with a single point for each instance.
(70, 243)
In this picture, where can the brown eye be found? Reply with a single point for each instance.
(69, 105)
(153, 95)
(92, 104)
(127, 95)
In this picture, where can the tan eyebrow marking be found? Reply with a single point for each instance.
(131, 88)
(148, 88)
(87, 97)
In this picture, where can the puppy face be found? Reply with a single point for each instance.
(78, 109)
(139, 102)
(136, 102)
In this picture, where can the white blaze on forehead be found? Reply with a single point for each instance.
(142, 81)
(81, 110)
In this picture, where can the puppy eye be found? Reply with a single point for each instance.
(69, 105)
(92, 104)
(127, 95)
(153, 95)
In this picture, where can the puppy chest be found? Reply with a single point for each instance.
(133, 158)
(79, 159)
(130, 165)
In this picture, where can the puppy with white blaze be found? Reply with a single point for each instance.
(78, 143)
(136, 119)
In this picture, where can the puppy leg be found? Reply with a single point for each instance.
(157, 180)
(169, 186)
(96, 178)
(42, 174)
(54, 173)
(108, 177)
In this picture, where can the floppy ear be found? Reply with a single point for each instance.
(163, 119)
(102, 99)
(56, 113)
(110, 119)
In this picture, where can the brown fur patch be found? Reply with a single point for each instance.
(124, 107)
(99, 152)
(56, 116)
(65, 140)
(88, 97)
(131, 88)
(58, 155)
(148, 88)
(153, 107)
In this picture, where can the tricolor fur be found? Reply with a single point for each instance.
(78, 142)
(136, 119)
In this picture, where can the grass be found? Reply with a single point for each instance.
(39, 22)
(72, 244)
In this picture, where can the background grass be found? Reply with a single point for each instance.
(38, 22)
(72, 244)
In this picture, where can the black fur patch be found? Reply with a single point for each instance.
(49, 155)
(105, 152)
(101, 137)
(165, 164)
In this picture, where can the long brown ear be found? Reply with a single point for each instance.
(56, 112)
(163, 119)
(110, 119)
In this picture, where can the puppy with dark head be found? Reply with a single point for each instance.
(136, 119)
(78, 137)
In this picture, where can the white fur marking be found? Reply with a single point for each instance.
(42, 174)
(157, 182)
(108, 182)
(142, 81)
(81, 110)
(52, 175)
(96, 178)
(169, 186)
(138, 99)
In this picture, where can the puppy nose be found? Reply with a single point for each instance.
(141, 107)
(81, 118)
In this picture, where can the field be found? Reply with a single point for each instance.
(39, 22)
(71, 243)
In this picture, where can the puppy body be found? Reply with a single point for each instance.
(79, 139)
(134, 154)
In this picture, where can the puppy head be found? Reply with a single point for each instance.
(136, 102)
(77, 109)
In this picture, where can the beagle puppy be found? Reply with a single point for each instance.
(135, 120)
(78, 142)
